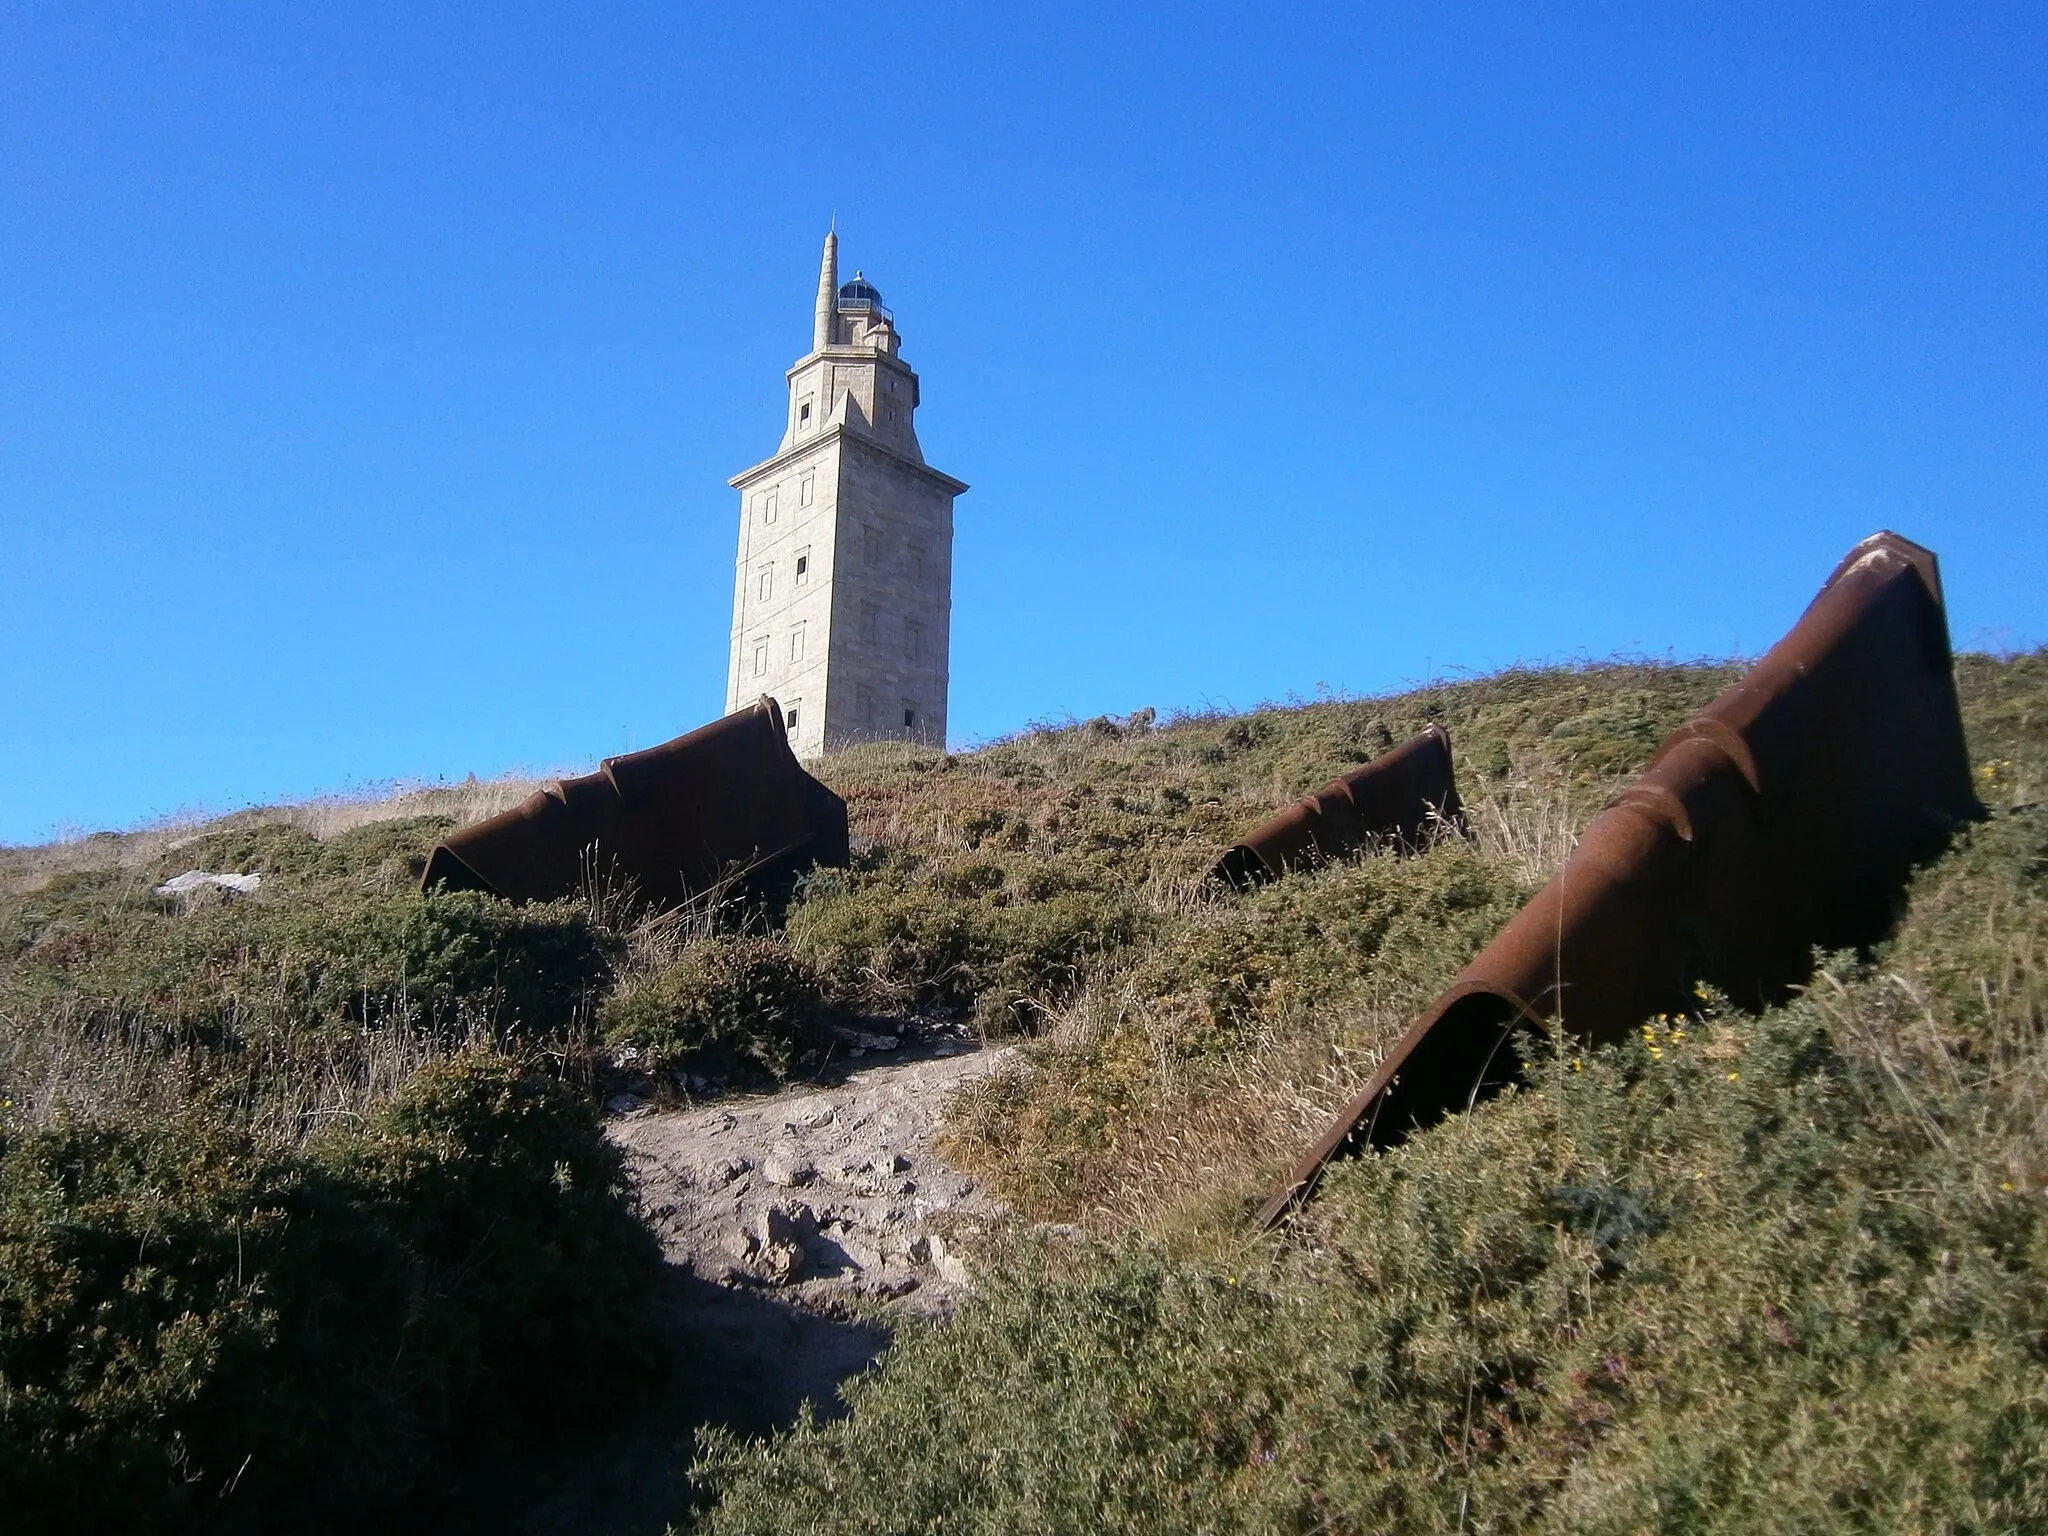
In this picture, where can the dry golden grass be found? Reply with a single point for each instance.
(28, 867)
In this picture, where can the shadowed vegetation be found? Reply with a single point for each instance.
(300, 1190)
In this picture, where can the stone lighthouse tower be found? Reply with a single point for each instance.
(843, 590)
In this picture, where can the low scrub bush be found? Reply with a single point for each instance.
(1718, 1279)
(1408, 923)
(1777, 1273)
(201, 1330)
(303, 956)
(958, 943)
(726, 1004)
(277, 1252)
(1177, 1074)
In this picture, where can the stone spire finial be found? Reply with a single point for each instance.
(828, 292)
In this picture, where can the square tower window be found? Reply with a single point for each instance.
(803, 567)
(790, 716)
(796, 643)
(803, 417)
(909, 718)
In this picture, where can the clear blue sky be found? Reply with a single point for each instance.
(370, 374)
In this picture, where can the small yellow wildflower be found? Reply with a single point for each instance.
(1657, 1053)
(1577, 1065)
(2006, 1187)
(1734, 1076)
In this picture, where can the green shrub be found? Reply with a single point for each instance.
(532, 1260)
(965, 940)
(1745, 1274)
(1408, 923)
(889, 946)
(427, 957)
(1035, 952)
(1682, 1286)
(727, 1003)
(1741, 1274)
(1125, 1400)
(196, 1330)
(319, 956)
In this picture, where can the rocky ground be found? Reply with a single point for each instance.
(826, 1195)
(799, 1227)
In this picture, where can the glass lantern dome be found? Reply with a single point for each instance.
(860, 295)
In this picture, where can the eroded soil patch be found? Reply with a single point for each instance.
(798, 1227)
(828, 1196)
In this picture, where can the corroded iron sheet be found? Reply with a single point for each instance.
(1782, 818)
(1392, 799)
(728, 802)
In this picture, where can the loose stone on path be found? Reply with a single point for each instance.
(820, 1195)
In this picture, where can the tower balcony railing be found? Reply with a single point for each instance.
(867, 307)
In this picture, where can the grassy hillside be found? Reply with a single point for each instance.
(285, 1232)
(1742, 1271)
(1778, 1273)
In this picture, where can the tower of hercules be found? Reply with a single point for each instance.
(843, 590)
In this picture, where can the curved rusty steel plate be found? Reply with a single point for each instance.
(1392, 799)
(729, 802)
(1783, 818)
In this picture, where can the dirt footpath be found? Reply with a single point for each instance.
(820, 1195)
(797, 1227)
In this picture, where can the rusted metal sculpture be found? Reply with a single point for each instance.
(726, 804)
(1391, 799)
(1781, 819)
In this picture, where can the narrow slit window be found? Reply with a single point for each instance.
(789, 720)
(766, 585)
(796, 643)
(803, 568)
(803, 414)
(909, 719)
(760, 655)
(807, 489)
(768, 508)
